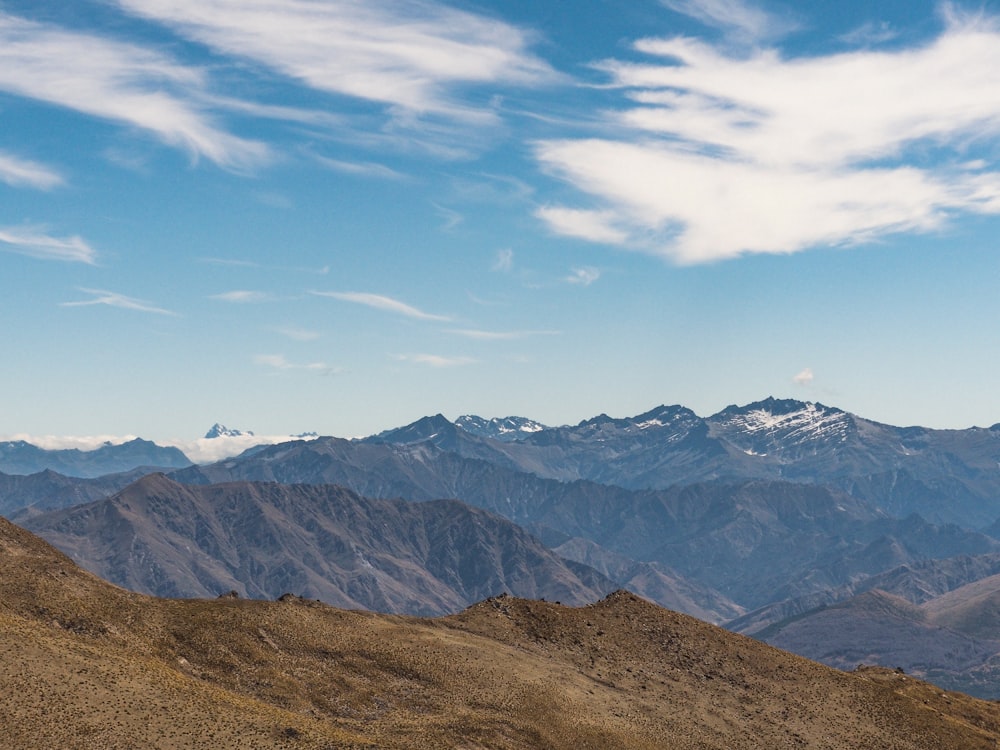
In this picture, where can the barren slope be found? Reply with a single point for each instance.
(89, 665)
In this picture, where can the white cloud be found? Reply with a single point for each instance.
(361, 168)
(380, 302)
(583, 276)
(595, 226)
(504, 261)
(405, 55)
(120, 82)
(280, 362)
(69, 442)
(481, 335)
(18, 172)
(804, 378)
(242, 296)
(37, 243)
(208, 450)
(434, 360)
(112, 299)
(718, 157)
(743, 21)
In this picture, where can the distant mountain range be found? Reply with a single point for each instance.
(20, 457)
(947, 476)
(773, 517)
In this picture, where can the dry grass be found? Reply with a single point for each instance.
(85, 665)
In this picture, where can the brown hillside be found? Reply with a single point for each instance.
(88, 665)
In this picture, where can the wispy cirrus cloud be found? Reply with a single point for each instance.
(408, 56)
(583, 276)
(120, 82)
(113, 299)
(504, 261)
(381, 302)
(718, 156)
(481, 335)
(435, 360)
(18, 172)
(280, 362)
(742, 21)
(242, 296)
(361, 169)
(36, 242)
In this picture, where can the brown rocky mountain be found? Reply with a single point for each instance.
(323, 542)
(91, 665)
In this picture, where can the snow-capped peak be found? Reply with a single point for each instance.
(220, 430)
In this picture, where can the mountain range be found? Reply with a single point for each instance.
(774, 518)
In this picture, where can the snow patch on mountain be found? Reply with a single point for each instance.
(499, 428)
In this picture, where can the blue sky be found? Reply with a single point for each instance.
(338, 216)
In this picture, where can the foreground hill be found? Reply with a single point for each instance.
(324, 542)
(90, 665)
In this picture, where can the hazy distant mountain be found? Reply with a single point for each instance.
(20, 457)
(262, 540)
(25, 495)
(916, 582)
(947, 476)
(952, 640)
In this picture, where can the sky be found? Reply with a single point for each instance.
(338, 216)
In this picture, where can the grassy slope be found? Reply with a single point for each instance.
(88, 665)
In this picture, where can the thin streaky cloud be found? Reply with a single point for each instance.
(113, 299)
(242, 296)
(743, 21)
(120, 82)
(435, 360)
(480, 335)
(280, 362)
(406, 55)
(381, 302)
(362, 169)
(717, 156)
(36, 242)
(18, 172)
(869, 34)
